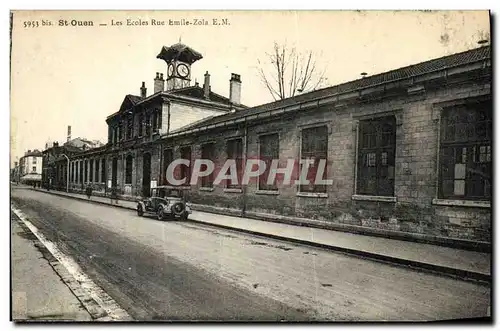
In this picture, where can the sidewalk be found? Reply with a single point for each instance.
(454, 261)
(38, 293)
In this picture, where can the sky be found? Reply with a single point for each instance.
(65, 75)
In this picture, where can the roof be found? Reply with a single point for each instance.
(129, 101)
(198, 93)
(71, 148)
(195, 92)
(179, 52)
(134, 98)
(33, 153)
(470, 56)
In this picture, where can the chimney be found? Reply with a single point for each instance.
(159, 85)
(235, 89)
(69, 133)
(206, 85)
(143, 90)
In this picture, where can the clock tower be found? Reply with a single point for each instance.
(179, 59)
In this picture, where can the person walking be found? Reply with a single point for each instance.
(88, 191)
(114, 195)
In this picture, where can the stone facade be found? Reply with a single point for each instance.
(414, 207)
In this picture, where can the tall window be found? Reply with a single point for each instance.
(128, 169)
(34, 168)
(235, 152)
(141, 124)
(130, 127)
(158, 122)
(86, 171)
(148, 124)
(119, 128)
(268, 151)
(186, 170)
(314, 147)
(34, 159)
(466, 152)
(207, 153)
(81, 171)
(96, 172)
(168, 157)
(154, 118)
(91, 171)
(103, 170)
(376, 156)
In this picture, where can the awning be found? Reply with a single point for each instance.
(32, 177)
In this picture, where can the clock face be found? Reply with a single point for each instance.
(170, 71)
(183, 70)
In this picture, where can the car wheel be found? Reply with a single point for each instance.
(178, 209)
(161, 214)
(140, 212)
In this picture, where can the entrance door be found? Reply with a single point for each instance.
(114, 172)
(146, 175)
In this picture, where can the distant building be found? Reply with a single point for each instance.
(30, 168)
(14, 173)
(84, 144)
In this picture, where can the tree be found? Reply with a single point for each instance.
(286, 72)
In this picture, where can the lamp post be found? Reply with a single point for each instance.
(67, 172)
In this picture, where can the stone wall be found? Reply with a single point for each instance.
(411, 210)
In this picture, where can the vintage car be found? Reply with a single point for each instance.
(164, 203)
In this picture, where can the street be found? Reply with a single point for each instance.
(183, 271)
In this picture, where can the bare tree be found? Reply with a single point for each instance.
(286, 72)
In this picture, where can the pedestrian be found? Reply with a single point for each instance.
(88, 191)
(114, 195)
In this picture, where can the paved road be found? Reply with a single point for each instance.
(179, 270)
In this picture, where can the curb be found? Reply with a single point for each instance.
(466, 275)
